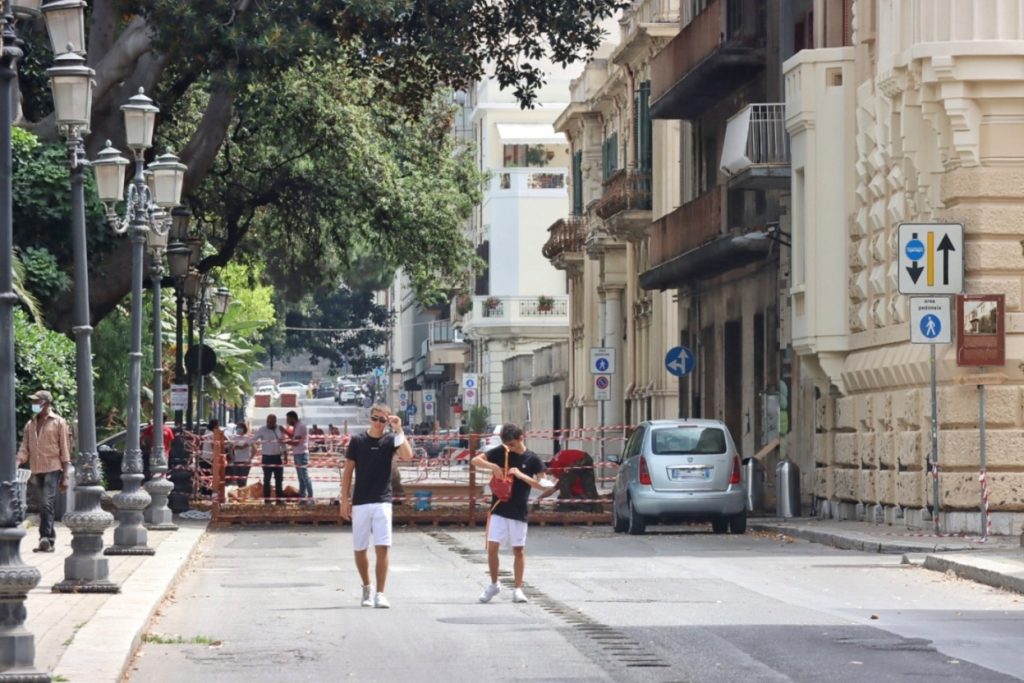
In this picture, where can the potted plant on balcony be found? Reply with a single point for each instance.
(545, 304)
(491, 303)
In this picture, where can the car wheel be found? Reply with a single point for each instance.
(636, 524)
(738, 523)
(719, 525)
(619, 525)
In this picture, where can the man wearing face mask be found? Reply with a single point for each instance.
(46, 447)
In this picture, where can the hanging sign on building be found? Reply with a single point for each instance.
(981, 323)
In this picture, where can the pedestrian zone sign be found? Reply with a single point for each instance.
(931, 258)
(931, 320)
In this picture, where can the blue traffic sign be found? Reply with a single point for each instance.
(602, 365)
(411, 409)
(915, 250)
(470, 383)
(679, 361)
(378, 372)
(931, 326)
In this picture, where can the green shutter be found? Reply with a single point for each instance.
(577, 184)
(644, 132)
(613, 153)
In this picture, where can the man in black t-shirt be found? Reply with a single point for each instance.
(369, 458)
(507, 522)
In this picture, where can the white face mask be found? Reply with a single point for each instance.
(36, 408)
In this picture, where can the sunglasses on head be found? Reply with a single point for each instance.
(378, 418)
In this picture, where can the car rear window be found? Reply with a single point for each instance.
(688, 440)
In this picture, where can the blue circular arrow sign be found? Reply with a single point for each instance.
(679, 361)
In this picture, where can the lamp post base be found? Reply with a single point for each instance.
(158, 516)
(85, 569)
(130, 537)
(17, 644)
(86, 586)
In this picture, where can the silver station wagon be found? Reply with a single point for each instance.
(679, 470)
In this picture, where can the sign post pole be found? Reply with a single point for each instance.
(935, 446)
(981, 435)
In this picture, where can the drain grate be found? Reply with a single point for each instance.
(616, 646)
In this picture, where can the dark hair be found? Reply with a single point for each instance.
(511, 432)
(214, 423)
(292, 413)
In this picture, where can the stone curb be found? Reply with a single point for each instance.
(996, 574)
(854, 540)
(102, 649)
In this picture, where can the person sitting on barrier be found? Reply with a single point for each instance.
(240, 446)
(370, 458)
(271, 438)
(574, 470)
(317, 443)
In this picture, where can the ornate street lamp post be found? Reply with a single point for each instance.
(86, 570)
(157, 515)
(130, 536)
(211, 301)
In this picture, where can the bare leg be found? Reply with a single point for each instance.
(363, 565)
(492, 559)
(519, 565)
(382, 567)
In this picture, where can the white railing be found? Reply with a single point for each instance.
(756, 136)
(519, 310)
(520, 180)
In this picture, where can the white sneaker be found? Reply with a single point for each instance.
(519, 596)
(380, 602)
(367, 596)
(489, 592)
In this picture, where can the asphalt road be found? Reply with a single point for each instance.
(281, 604)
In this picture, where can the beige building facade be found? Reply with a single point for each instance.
(917, 119)
(618, 152)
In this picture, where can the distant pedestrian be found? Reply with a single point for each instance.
(299, 441)
(317, 443)
(271, 439)
(369, 458)
(241, 455)
(46, 447)
(507, 524)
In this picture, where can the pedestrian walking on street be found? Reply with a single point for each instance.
(369, 458)
(271, 438)
(299, 441)
(507, 523)
(46, 447)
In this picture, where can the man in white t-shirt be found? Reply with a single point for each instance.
(299, 442)
(271, 438)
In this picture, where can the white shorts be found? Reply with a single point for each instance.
(507, 532)
(372, 520)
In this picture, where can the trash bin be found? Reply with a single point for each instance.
(421, 500)
(787, 484)
(753, 482)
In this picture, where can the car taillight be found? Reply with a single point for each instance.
(736, 475)
(645, 475)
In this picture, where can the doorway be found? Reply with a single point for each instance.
(733, 348)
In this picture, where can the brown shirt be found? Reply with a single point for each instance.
(48, 448)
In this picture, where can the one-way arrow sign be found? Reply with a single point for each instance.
(920, 271)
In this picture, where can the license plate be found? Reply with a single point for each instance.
(689, 473)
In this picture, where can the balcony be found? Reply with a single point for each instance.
(688, 245)
(645, 25)
(539, 317)
(564, 247)
(444, 345)
(625, 204)
(755, 155)
(719, 50)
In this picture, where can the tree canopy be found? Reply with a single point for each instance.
(312, 130)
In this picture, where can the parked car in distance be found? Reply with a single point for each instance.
(293, 387)
(346, 398)
(325, 389)
(268, 389)
(679, 470)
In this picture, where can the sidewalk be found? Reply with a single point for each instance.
(84, 638)
(998, 561)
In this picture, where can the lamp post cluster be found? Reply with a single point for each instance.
(146, 221)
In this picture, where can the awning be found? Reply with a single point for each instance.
(709, 259)
(530, 134)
